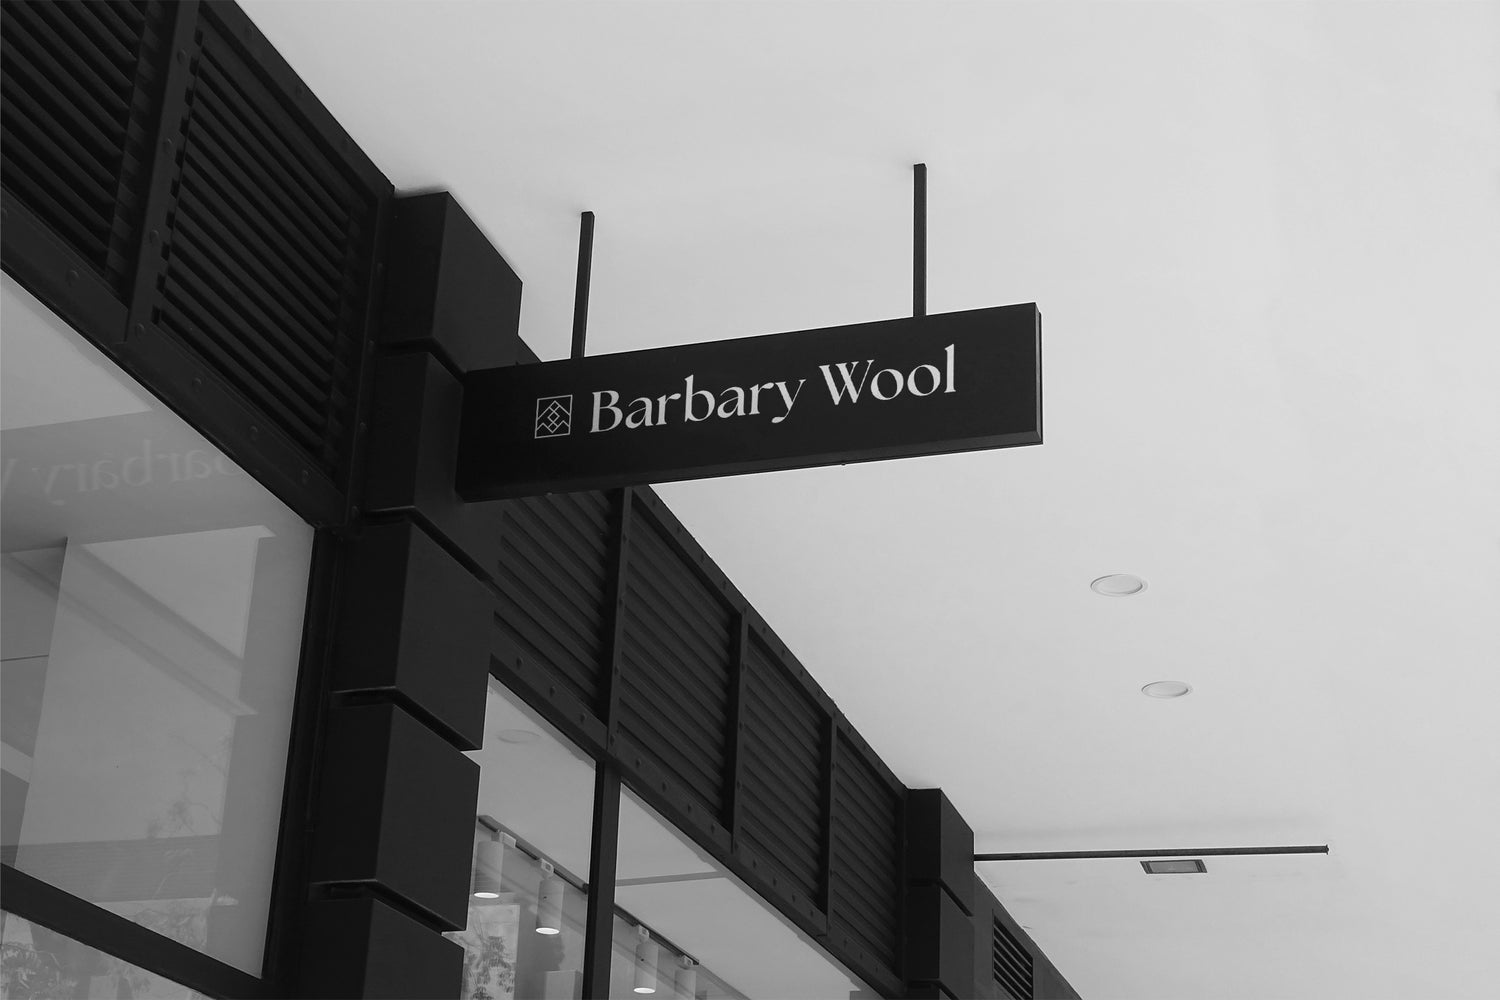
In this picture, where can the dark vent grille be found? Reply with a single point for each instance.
(782, 775)
(674, 689)
(268, 261)
(78, 81)
(554, 578)
(1012, 964)
(865, 873)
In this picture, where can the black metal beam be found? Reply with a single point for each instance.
(1172, 853)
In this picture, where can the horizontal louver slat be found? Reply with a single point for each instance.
(790, 794)
(46, 101)
(91, 99)
(214, 221)
(279, 356)
(75, 167)
(309, 353)
(775, 701)
(797, 853)
(187, 321)
(565, 623)
(593, 506)
(657, 696)
(69, 78)
(866, 862)
(99, 37)
(123, 20)
(672, 583)
(676, 656)
(651, 643)
(533, 642)
(1011, 964)
(563, 629)
(110, 85)
(652, 724)
(782, 771)
(314, 181)
(544, 543)
(583, 532)
(264, 270)
(18, 171)
(553, 577)
(690, 756)
(210, 168)
(772, 813)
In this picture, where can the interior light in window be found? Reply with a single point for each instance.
(549, 901)
(687, 978)
(489, 861)
(645, 962)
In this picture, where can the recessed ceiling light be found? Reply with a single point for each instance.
(1118, 585)
(1186, 866)
(1166, 689)
(518, 736)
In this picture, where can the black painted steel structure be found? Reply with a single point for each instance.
(1178, 852)
(174, 192)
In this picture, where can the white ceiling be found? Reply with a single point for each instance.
(1264, 239)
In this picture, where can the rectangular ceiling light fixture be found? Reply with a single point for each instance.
(1188, 866)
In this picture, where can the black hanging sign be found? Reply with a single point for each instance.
(929, 385)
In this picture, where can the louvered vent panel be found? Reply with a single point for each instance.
(268, 260)
(78, 82)
(1012, 964)
(782, 773)
(865, 874)
(674, 695)
(554, 579)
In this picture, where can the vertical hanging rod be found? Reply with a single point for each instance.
(919, 241)
(581, 295)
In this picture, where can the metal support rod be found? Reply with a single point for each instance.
(581, 295)
(1175, 852)
(599, 912)
(919, 241)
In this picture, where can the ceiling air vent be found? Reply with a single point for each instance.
(1012, 965)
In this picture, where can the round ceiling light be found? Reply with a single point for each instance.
(1118, 585)
(1166, 689)
(518, 736)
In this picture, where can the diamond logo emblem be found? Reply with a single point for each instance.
(554, 416)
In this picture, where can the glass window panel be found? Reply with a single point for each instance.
(152, 598)
(532, 837)
(37, 963)
(694, 908)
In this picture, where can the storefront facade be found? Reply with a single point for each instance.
(286, 717)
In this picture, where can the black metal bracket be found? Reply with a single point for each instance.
(1173, 853)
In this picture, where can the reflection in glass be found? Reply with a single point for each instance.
(152, 598)
(37, 963)
(528, 903)
(643, 963)
(709, 936)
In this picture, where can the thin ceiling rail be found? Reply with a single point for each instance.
(1174, 852)
(581, 294)
(919, 241)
